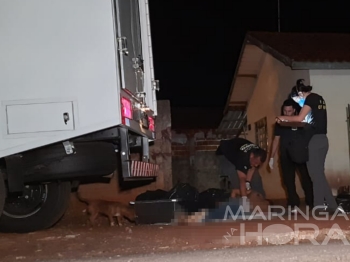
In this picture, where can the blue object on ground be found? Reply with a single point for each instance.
(226, 211)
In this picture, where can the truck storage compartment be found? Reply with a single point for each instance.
(39, 117)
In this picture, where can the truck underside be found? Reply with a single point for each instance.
(38, 182)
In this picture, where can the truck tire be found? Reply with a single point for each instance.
(2, 193)
(39, 207)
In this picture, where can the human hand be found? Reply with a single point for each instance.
(248, 185)
(280, 119)
(271, 163)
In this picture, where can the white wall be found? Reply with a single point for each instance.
(274, 83)
(334, 86)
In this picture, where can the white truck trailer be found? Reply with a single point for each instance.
(78, 94)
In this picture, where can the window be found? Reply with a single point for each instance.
(261, 136)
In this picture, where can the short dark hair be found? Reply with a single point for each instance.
(289, 102)
(259, 152)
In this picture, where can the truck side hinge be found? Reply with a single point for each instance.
(142, 97)
(123, 45)
(138, 63)
(155, 84)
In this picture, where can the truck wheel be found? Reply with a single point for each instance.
(39, 207)
(2, 193)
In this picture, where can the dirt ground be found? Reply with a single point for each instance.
(72, 239)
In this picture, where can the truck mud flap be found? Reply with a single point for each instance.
(136, 170)
(143, 169)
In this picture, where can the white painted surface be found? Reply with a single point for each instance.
(32, 118)
(334, 86)
(51, 50)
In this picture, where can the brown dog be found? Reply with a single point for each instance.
(110, 209)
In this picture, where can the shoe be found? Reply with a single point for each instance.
(294, 210)
(337, 210)
(341, 210)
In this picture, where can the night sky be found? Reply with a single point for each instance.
(196, 43)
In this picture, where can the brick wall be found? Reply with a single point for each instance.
(179, 150)
(194, 160)
(207, 145)
(186, 142)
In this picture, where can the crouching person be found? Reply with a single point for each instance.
(239, 161)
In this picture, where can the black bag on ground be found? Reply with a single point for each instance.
(183, 191)
(152, 195)
(211, 196)
(343, 200)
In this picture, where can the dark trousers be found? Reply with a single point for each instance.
(288, 168)
(318, 149)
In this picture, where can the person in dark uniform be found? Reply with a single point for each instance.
(314, 114)
(239, 161)
(282, 137)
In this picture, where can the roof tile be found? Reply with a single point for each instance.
(306, 47)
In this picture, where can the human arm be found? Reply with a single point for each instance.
(298, 118)
(250, 174)
(274, 146)
(275, 143)
(242, 179)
